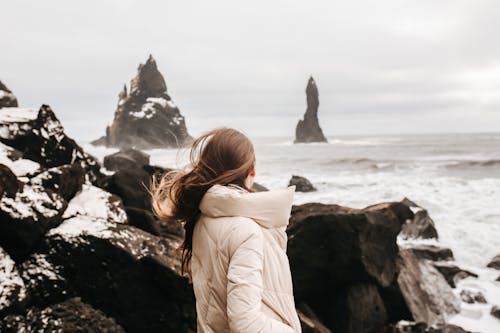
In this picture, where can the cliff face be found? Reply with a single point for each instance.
(308, 129)
(146, 117)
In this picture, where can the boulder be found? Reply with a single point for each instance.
(452, 273)
(308, 129)
(95, 203)
(421, 226)
(333, 248)
(426, 292)
(309, 322)
(13, 295)
(432, 252)
(27, 212)
(412, 327)
(9, 184)
(359, 309)
(131, 185)
(7, 98)
(40, 137)
(126, 159)
(145, 220)
(146, 117)
(472, 296)
(495, 262)
(302, 184)
(123, 271)
(13, 159)
(495, 311)
(66, 180)
(71, 315)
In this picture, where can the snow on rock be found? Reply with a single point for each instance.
(66, 180)
(130, 274)
(7, 98)
(12, 158)
(41, 138)
(69, 316)
(12, 289)
(26, 212)
(97, 204)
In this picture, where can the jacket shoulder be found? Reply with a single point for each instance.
(243, 229)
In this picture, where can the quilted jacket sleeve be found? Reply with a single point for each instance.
(244, 288)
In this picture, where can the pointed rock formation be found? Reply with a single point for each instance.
(308, 129)
(7, 98)
(146, 117)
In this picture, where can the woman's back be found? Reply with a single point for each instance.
(240, 270)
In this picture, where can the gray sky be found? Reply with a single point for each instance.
(382, 67)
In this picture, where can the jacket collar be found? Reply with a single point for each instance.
(270, 209)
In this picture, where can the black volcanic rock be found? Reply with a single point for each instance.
(427, 294)
(421, 226)
(432, 252)
(7, 98)
(127, 273)
(26, 215)
(40, 137)
(452, 273)
(69, 316)
(495, 262)
(339, 257)
(126, 159)
(146, 117)
(302, 184)
(66, 180)
(308, 129)
(13, 294)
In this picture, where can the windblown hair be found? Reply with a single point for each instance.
(221, 156)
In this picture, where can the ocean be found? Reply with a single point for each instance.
(456, 177)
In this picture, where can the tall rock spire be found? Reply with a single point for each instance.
(308, 129)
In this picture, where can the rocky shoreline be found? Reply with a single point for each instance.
(81, 249)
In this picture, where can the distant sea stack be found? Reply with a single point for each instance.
(308, 129)
(7, 98)
(146, 117)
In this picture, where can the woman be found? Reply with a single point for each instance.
(235, 240)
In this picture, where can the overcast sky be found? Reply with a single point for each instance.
(382, 67)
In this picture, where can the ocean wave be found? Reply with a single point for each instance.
(474, 164)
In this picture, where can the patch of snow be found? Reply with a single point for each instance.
(38, 266)
(96, 203)
(148, 109)
(177, 119)
(158, 100)
(7, 95)
(11, 285)
(129, 239)
(32, 202)
(15, 115)
(171, 104)
(52, 128)
(19, 167)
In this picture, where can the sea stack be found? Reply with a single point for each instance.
(146, 117)
(308, 129)
(7, 98)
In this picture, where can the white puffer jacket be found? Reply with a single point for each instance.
(240, 270)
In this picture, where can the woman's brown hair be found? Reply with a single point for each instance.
(221, 156)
